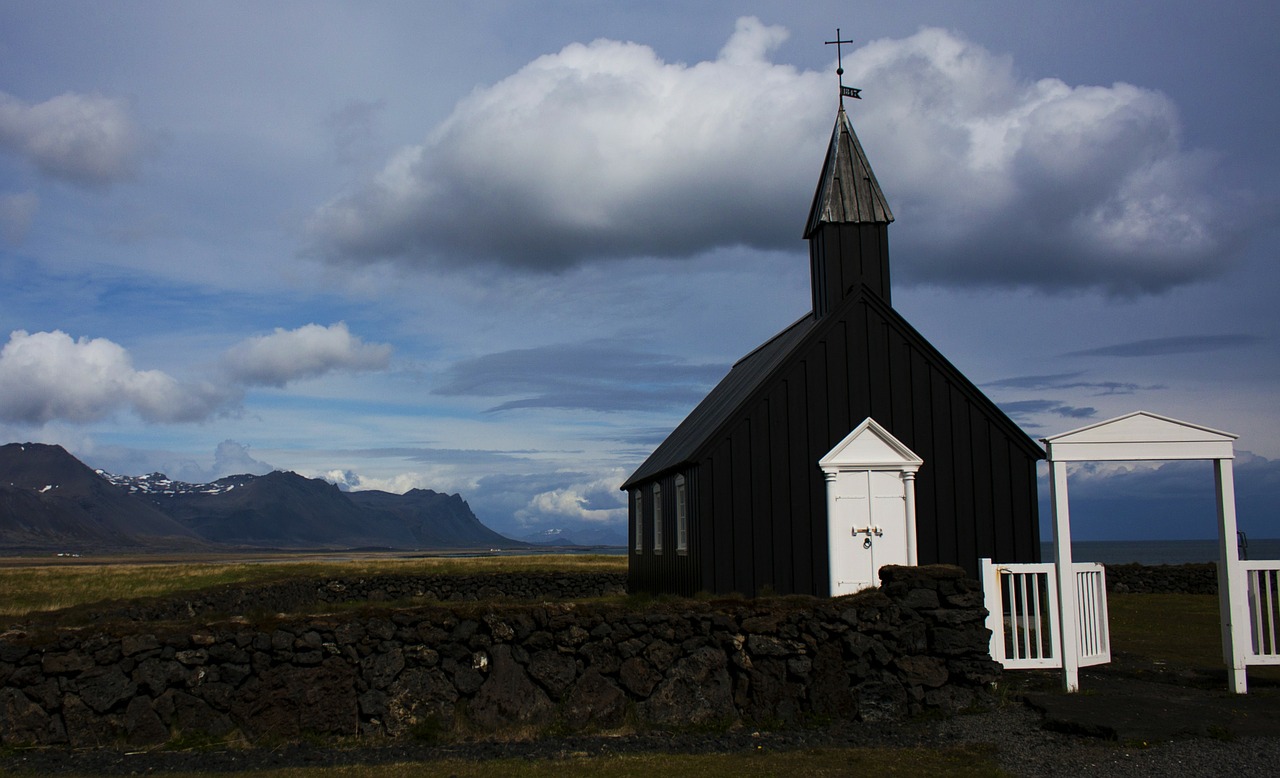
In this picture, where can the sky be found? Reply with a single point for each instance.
(502, 248)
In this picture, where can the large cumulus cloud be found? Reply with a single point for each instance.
(1002, 180)
(605, 150)
(600, 150)
(49, 375)
(89, 140)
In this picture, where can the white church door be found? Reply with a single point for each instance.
(870, 507)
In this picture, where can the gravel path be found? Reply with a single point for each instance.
(1021, 748)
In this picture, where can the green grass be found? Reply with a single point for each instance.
(31, 588)
(1178, 631)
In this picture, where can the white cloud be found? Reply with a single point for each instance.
(48, 375)
(605, 150)
(306, 352)
(85, 139)
(601, 149)
(597, 501)
(229, 457)
(398, 483)
(1000, 180)
(17, 211)
(232, 458)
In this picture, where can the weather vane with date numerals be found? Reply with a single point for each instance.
(845, 91)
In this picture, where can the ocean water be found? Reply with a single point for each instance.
(1159, 552)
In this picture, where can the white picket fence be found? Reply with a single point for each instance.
(1022, 614)
(1264, 611)
(1092, 628)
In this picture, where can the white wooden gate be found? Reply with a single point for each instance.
(1022, 614)
(1264, 612)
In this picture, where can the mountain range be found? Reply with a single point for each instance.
(49, 500)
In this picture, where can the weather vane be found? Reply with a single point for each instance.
(845, 91)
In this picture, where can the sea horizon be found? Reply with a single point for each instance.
(1159, 552)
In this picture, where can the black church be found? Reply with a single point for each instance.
(847, 411)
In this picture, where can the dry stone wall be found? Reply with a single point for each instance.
(1201, 578)
(917, 643)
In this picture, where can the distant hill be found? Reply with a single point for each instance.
(50, 500)
(434, 520)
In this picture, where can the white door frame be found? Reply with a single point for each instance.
(869, 447)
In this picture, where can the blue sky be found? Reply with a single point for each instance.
(502, 248)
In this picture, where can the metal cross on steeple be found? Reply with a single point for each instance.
(845, 91)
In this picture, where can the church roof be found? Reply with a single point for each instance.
(847, 191)
(753, 373)
(724, 400)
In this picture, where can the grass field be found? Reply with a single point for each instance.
(35, 587)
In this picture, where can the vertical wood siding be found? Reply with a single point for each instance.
(670, 570)
(758, 499)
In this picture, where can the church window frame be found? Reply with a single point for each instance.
(682, 516)
(638, 501)
(657, 518)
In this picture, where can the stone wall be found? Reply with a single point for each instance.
(507, 668)
(1163, 579)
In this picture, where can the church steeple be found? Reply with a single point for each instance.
(847, 192)
(848, 239)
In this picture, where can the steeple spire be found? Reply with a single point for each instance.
(846, 229)
(847, 191)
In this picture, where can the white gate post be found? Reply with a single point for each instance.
(1066, 577)
(1233, 597)
(991, 594)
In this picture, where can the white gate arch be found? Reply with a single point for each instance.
(1142, 436)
